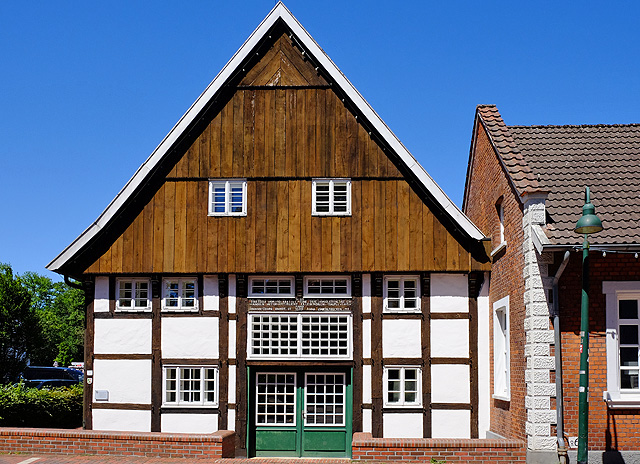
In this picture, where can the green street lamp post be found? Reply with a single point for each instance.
(589, 223)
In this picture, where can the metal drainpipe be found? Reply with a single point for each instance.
(562, 451)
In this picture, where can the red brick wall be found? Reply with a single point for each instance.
(608, 429)
(366, 448)
(488, 185)
(53, 441)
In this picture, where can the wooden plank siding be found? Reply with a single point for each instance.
(279, 138)
(173, 233)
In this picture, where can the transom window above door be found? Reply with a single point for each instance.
(228, 197)
(327, 287)
(331, 197)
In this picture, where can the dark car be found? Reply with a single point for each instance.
(44, 376)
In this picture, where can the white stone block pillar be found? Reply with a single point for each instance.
(539, 336)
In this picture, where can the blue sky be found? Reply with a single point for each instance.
(88, 89)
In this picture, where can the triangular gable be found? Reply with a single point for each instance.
(283, 65)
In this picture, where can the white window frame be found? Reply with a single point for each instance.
(402, 279)
(615, 291)
(295, 400)
(265, 278)
(133, 282)
(190, 404)
(299, 348)
(331, 183)
(327, 278)
(501, 350)
(402, 403)
(181, 281)
(227, 193)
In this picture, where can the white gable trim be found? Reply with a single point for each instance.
(278, 12)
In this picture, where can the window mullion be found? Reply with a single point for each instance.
(331, 205)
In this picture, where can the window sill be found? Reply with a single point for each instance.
(138, 310)
(179, 310)
(227, 214)
(498, 249)
(402, 311)
(501, 397)
(190, 405)
(331, 214)
(617, 400)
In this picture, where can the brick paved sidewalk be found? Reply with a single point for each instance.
(56, 459)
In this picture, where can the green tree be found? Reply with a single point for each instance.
(18, 325)
(60, 313)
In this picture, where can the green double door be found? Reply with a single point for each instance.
(300, 412)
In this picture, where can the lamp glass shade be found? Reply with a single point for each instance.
(589, 223)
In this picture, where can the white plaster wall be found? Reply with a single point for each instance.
(211, 298)
(484, 375)
(366, 293)
(402, 425)
(232, 339)
(121, 420)
(449, 338)
(449, 293)
(366, 383)
(232, 384)
(188, 423)
(367, 426)
(127, 380)
(231, 419)
(451, 423)
(450, 383)
(366, 338)
(190, 337)
(101, 295)
(401, 338)
(122, 336)
(232, 293)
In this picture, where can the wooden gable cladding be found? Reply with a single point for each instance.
(276, 132)
(391, 229)
(283, 65)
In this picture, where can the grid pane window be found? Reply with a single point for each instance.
(325, 336)
(332, 197)
(274, 335)
(323, 287)
(179, 294)
(628, 334)
(133, 295)
(401, 294)
(190, 386)
(275, 399)
(271, 287)
(300, 336)
(227, 197)
(325, 399)
(402, 386)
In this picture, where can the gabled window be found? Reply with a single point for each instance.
(402, 386)
(133, 295)
(190, 386)
(331, 197)
(501, 350)
(271, 287)
(180, 294)
(327, 287)
(401, 293)
(228, 197)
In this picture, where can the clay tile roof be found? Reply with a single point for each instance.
(519, 171)
(565, 159)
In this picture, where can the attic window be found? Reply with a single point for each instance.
(331, 197)
(228, 197)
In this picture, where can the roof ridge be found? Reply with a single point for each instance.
(634, 124)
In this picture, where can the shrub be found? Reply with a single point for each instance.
(29, 407)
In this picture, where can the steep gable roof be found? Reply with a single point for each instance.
(559, 161)
(235, 66)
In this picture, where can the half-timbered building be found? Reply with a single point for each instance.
(283, 267)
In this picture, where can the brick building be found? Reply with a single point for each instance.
(525, 190)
